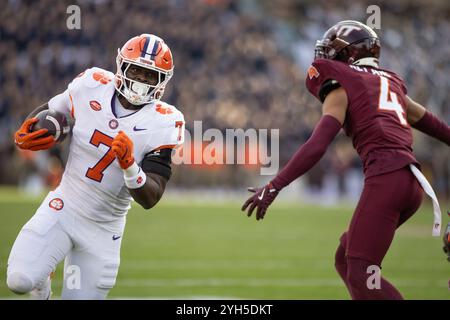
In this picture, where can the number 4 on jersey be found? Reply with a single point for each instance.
(389, 102)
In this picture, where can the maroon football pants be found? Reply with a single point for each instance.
(386, 202)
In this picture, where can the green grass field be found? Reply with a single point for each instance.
(185, 249)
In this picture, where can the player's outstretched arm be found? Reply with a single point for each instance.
(426, 122)
(145, 187)
(333, 117)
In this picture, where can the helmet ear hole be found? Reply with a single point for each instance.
(342, 55)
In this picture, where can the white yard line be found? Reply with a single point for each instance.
(314, 264)
(248, 282)
(207, 264)
(144, 298)
(245, 282)
(178, 298)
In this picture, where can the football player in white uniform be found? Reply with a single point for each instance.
(123, 137)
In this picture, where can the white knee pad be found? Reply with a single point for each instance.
(108, 276)
(19, 283)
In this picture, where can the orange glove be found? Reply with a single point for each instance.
(27, 140)
(122, 146)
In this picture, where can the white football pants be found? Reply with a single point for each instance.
(91, 251)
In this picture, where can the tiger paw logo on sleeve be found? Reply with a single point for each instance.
(56, 204)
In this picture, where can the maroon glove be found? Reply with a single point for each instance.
(447, 241)
(262, 199)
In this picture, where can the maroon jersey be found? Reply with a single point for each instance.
(375, 118)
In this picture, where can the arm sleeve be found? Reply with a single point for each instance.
(61, 103)
(434, 127)
(309, 153)
(158, 162)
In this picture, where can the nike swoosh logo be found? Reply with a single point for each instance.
(138, 129)
(115, 238)
(262, 194)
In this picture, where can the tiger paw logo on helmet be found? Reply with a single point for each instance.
(145, 51)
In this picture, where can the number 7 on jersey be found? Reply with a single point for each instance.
(96, 172)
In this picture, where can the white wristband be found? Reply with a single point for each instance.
(134, 177)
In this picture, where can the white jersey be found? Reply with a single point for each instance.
(93, 182)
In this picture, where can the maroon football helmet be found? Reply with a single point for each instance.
(349, 41)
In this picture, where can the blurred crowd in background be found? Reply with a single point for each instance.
(238, 64)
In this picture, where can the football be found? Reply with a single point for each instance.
(55, 122)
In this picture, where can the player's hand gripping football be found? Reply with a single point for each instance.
(27, 140)
(122, 146)
(261, 200)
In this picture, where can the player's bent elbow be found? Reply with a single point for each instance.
(146, 206)
(151, 202)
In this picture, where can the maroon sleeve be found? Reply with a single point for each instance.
(309, 153)
(434, 127)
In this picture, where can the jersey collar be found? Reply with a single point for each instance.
(113, 108)
(370, 62)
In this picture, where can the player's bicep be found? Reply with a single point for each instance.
(414, 111)
(158, 162)
(326, 87)
(61, 103)
(335, 104)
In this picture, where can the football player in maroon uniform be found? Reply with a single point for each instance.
(372, 106)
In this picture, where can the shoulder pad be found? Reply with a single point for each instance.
(92, 78)
(172, 124)
(167, 113)
(323, 70)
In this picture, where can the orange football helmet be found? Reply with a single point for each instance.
(147, 51)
